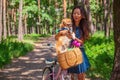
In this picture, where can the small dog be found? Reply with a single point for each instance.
(63, 37)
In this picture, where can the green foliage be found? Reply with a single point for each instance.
(35, 37)
(31, 10)
(46, 17)
(100, 52)
(96, 10)
(14, 3)
(94, 6)
(10, 49)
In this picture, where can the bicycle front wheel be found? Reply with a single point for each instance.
(47, 74)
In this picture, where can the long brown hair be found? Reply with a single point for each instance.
(83, 25)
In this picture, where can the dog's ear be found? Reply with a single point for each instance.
(64, 22)
(61, 25)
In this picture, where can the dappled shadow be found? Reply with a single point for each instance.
(29, 67)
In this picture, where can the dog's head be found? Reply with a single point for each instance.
(66, 22)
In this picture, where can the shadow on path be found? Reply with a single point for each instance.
(29, 67)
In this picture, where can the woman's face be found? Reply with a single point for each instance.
(77, 15)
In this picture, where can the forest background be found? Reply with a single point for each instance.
(24, 21)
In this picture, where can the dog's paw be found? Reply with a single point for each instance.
(73, 35)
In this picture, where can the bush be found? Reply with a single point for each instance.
(100, 51)
(10, 49)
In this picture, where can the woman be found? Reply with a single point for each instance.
(80, 28)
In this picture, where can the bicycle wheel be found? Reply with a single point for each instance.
(47, 74)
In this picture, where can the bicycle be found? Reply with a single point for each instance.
(54, 72)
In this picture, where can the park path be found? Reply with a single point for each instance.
(30, 67)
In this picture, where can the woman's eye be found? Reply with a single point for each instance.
(76, 13)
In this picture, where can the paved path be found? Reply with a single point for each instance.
(29, 67)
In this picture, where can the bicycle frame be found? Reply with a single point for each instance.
(58, 74)
(55, 77)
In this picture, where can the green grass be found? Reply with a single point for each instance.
(35, 36)
(30, 38)
(100, 51)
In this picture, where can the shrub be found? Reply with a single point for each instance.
(100, 51)
(10, 49)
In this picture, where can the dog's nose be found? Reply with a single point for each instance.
(69, 24)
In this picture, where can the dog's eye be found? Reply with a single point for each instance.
(69, 24)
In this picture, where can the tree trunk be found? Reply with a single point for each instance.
(111, 14)
(101, 18)
(79, 2)
(20, 27)
(12, 22)
(39, 20)
(25, 24)
(8, 24)
(4, 19)
(56, 17)
(106, 13)
(64, 8)
(89, 16)
(32, 30)
(14, 19)
(116, 23)
(69, 4)
(8, 20)
(111, 20)
(1, 19)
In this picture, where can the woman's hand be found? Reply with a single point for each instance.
(80, 40)
(73, 35)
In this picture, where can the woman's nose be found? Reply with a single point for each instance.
(76, 14)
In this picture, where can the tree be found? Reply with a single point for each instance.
(79, 2)
(106, 13)
(4, 19)
(0, 20)
(87, 2)
(116, 23)
(64, 8)
(38, 30)
(20, 27)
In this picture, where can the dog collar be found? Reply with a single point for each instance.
(65, 28)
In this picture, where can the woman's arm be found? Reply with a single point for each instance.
(81, 40)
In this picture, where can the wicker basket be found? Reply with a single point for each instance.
(70, 58)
